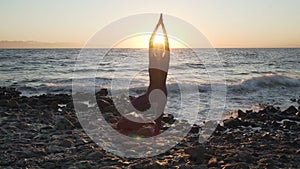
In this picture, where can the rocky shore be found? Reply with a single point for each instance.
(44, 132)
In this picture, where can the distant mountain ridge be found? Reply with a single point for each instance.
(37, 44)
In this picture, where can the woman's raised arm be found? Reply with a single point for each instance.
(167, 48)
(154, 32)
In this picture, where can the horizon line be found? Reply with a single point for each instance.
(146, 48)
(31, 44)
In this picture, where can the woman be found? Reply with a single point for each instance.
(156, 95)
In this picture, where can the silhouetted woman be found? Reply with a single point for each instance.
(156, 95)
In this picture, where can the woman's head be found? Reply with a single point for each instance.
(159, 49)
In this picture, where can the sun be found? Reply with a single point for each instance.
(159, 39)
(142, 41)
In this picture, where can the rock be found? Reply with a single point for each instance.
(102, 92)
(158, 165)
(62, 123)
(295, 127)
(241, 114)
(3, 102)
(266, 136)
(105, 105)
(49, 165)
(274, 124)
(288, 124)
(62, 98)
(168, 118)
(12, 104)
(6, 159)
(66, 143)
(74, 121)
(70, 105)
(194, 129)
(54, 105)
(54, 149)
(240, 165)
(83, 164)
(290, 111)
(110, 167)
(245, 157)
(251, 115)
(213, 162)
(220, 128)
(94, 156)
(8, 93)
(266, 161)
(271, 110)
(232, 123)
(188, 166)
(196, 153)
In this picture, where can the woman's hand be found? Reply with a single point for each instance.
(160, 19)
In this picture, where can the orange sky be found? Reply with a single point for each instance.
(70, 23)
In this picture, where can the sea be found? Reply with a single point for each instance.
(250, 78)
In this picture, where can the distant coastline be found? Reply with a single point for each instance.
(5, 44)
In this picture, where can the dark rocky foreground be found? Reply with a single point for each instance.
(43, 132)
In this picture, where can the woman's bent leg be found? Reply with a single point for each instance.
(141, 103)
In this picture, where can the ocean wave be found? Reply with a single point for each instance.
(266, 81)
(248, 85)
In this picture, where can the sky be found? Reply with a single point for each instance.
(225, 23)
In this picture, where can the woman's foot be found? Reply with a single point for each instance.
(156, 130)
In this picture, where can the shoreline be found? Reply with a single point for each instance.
(43, 131)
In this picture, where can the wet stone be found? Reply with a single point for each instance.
(3, 102)
(49, 165)
(291, 110)
(102, 92)
(194, 129)
(6, 159)
(232, 123)
(94, 156)
(241, 114)
(213, 162)
(240, 165)
(196, 153)
(54, 149)
(12, 104)
(63, 124)
(168, 118)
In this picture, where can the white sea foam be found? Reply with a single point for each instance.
(267, 81)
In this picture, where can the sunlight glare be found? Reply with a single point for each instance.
(159, 39)
(142, 41)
